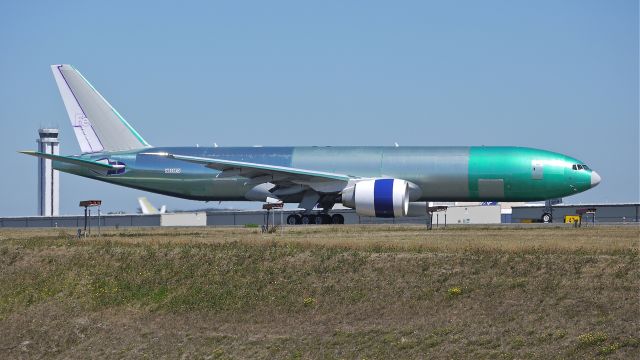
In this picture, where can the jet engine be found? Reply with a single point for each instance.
(378, 197)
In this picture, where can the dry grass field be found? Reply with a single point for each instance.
(344, 292)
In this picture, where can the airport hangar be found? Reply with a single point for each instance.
(460, 214)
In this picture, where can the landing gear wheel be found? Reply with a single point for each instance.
(308, 219)
(546, 218)
(293, 219)
(318, 220)
(326, 218)
(337, 219)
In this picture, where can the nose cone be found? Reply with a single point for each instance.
(595, 179)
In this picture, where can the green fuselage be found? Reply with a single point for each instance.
(442, 173)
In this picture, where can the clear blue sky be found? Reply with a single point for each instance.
(557, 75)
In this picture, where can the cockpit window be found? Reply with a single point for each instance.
(579, 167)
(574, 167)
(585, 167)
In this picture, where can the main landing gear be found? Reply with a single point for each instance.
(314, 219)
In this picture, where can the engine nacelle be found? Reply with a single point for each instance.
(378, 197)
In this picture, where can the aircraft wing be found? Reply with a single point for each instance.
(94, 165)
(260, 172)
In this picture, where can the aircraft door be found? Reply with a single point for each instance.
(537, 170)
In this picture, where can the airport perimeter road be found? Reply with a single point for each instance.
(322, 292)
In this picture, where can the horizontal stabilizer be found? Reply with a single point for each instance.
(90, 164)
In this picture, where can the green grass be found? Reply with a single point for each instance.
(322, 292)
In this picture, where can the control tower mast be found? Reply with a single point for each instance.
(48, 185)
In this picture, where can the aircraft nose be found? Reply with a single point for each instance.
(595, 179)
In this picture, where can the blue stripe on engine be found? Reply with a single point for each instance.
(383, 197)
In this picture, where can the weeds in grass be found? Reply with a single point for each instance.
(590, 339)
(518, 342)
(308, 301)
(454, 291)
(559, 334)
(217, 353)
(606, 350)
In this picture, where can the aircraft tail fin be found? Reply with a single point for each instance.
(97, 125)
(146, 207)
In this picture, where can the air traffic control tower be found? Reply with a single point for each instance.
(48, 186)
